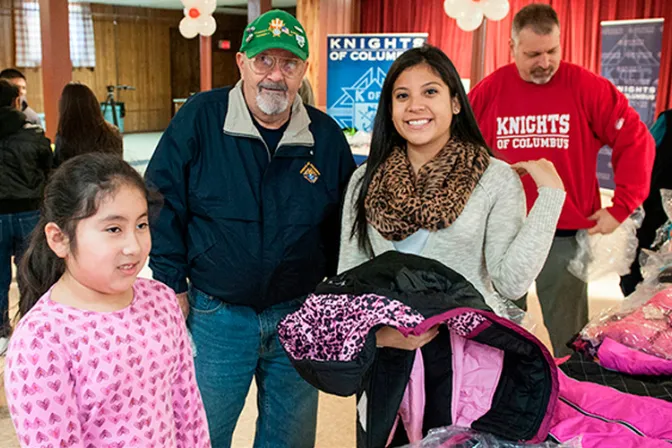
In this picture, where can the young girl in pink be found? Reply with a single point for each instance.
(99, 358)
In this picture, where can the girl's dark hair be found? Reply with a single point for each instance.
(73, 193)
(385, 136)
(81, 125)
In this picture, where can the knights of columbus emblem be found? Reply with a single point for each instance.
(276, 27)
(310, 173)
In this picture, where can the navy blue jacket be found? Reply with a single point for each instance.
(243, 226)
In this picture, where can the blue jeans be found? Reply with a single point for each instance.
(233, 344)
(14, 231)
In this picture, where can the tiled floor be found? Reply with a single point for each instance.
(336, 416)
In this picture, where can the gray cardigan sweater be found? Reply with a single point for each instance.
(492, 243)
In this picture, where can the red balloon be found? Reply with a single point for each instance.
(194, 13)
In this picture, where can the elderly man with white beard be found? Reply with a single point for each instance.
(251, 180)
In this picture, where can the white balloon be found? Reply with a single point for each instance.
(207, 26)
(468, 9)
(471, 22)
(207, 7)
(495, 9)
(452, 7)
(188, 27)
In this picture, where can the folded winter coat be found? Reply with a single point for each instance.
(481, 371)
(638, 342)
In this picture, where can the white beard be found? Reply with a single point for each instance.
(272, 103)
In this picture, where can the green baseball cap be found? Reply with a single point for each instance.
(275, 29)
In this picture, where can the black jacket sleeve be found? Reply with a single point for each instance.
(45, 156)
(167, 177)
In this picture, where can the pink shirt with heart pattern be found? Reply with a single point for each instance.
(123, 379)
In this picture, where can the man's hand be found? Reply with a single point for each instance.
(184, 303)
(391, 337)
(605, 222)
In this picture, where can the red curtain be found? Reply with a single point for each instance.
(579, 23)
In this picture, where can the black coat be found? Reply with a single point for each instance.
(25, 162)
(242, 226)
(414, 294)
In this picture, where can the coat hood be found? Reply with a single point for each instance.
(11, 121)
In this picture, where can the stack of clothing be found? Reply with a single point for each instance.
(481, 372)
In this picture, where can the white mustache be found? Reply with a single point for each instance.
(273, 86)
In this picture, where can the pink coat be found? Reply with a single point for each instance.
(638, 343)
(605, 417)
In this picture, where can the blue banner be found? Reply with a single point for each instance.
(356, 69)
(631, 51)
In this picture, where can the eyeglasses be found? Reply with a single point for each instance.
(264, 64)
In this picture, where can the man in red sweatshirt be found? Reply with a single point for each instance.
(541, 107)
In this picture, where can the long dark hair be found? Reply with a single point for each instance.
(73, 193)
(385, 136)
(81, 125)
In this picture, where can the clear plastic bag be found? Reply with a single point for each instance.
(508, 309)
(662, 240)
(599, 254)
(656, 267)
(456, 437)
(642, 322)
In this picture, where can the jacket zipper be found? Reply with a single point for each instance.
(268, 151)
(604, 419)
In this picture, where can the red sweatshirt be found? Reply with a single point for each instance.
(567, 121)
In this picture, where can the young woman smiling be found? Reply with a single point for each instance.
(432, 188)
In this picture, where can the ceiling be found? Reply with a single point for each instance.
(222, 5)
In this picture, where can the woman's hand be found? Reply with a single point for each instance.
(543, 173)
(392, 338)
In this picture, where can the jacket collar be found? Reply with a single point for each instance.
(238, 121)
(11, 121)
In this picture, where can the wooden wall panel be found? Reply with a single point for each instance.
(34, 96)
(160, 101)
(320, 18)
(184, 65)
(308, 13)
(184, 53)
(133, 47)
(224, 68)
(141, 65)
(143, 61)
(105, 72)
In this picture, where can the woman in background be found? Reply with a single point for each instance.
(81, 126)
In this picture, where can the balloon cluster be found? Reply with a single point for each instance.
(469, 13)
(198, 18)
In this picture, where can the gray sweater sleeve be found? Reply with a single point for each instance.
(350, 255)
(516, 247)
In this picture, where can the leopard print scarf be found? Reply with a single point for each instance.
(398, 205)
